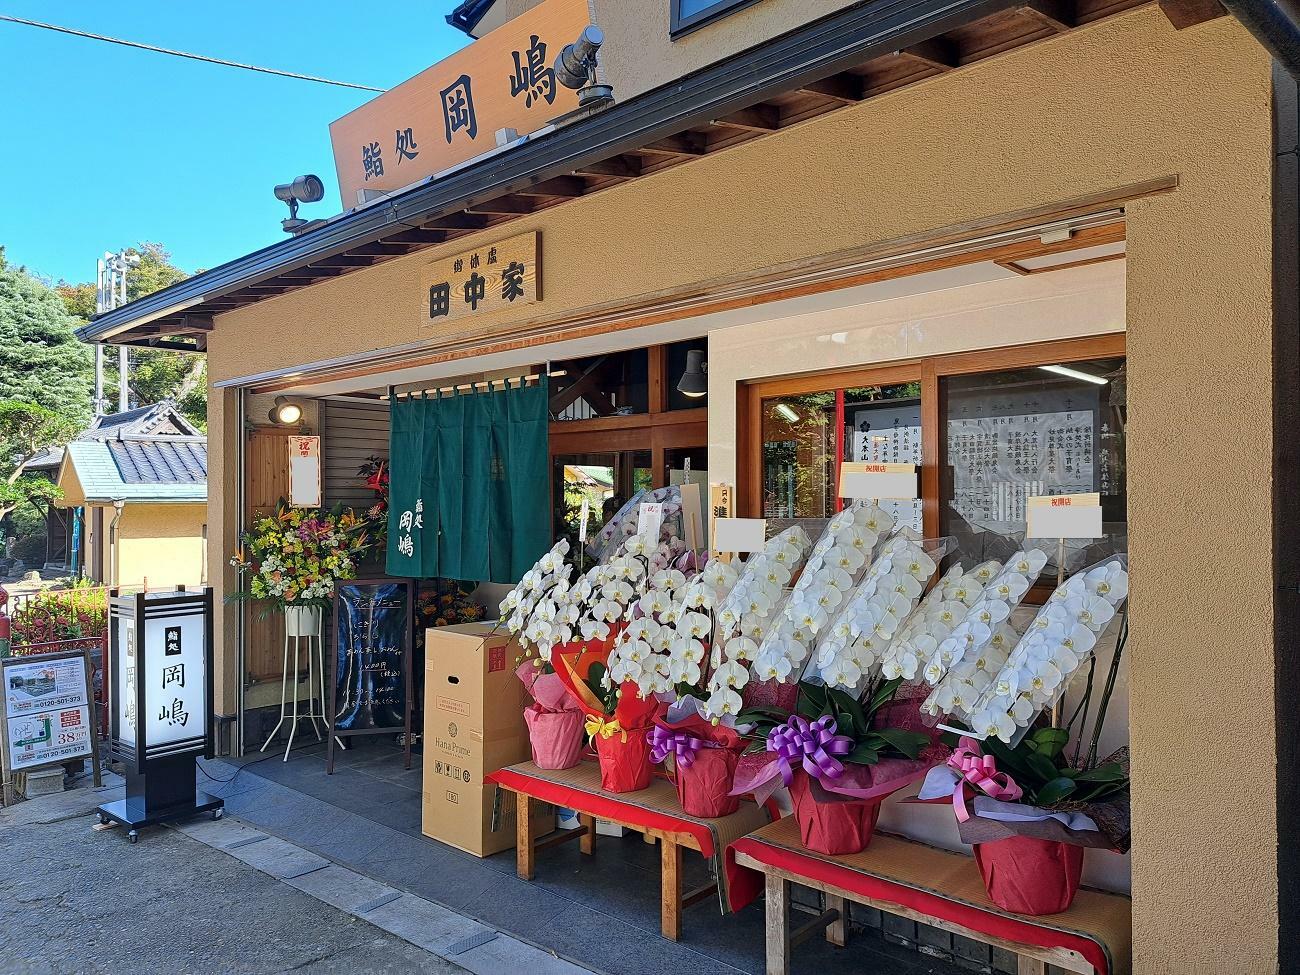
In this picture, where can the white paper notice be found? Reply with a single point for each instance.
(878, 481)
(582, 520)
(739, 534)
(1064, 516)
(304, 472)
(650, 517)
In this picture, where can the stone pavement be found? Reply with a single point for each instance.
(214, 896)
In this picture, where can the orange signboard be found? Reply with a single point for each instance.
(452, 111)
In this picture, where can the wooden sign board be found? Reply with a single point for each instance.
(304, 472)
(452, 111)
(1063, 516)
(878, 481)
(484, 280)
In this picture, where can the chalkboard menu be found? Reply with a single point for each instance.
(371, 692)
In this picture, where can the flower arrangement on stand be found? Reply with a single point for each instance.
(376, 474)
(1036, 808)
(294, 557)
(940, 611)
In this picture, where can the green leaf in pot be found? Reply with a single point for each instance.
(909, 743)
(1057, 790)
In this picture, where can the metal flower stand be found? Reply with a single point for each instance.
(302, 624)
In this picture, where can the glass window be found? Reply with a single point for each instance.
(606, 480)
(690, 14)
(616, 384)
(689, 370)
(806, 436)
(1050, 429)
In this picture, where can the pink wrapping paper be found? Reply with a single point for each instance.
(555, 737)
(1030, 876)
(554, 720)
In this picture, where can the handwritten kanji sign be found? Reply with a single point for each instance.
(487, 279)
(452, 111)
(304, 472)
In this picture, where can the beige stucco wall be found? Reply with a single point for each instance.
(1112, 105)
(161, 544)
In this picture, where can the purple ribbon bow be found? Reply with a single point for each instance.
(811, 744)
(681, 745)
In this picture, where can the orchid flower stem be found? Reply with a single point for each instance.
(1111, 677)
(1082, 709)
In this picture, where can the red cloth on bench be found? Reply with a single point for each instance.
(1011, 928)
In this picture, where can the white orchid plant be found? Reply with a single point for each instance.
(859, 638)
(943, 607)
(963, 664)
(1060, 639)
(837, 562)
(665, 649)
(745, 615)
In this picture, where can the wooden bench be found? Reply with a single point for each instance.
(653, 812)
(934, 887)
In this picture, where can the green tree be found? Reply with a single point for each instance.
(45, 376)
(156, 374)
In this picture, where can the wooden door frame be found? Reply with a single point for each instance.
(929, 372)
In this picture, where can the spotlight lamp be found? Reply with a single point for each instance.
(695, 381)
(576, 68)
(285, 412)
(304, 189)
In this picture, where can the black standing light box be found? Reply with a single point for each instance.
(160, 648)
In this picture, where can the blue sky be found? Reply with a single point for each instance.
(103, 146)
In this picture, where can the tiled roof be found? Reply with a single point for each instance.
(157, 418)
(161, 460)
(148, 473)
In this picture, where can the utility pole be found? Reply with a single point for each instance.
(110, 293)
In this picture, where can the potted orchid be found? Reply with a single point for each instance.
(1035, 806)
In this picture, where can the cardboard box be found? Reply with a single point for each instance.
(473, 725)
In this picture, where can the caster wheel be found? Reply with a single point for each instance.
(133, 836)
(218, 813)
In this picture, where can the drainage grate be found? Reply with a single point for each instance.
(465, 944)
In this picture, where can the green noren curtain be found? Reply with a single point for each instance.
(469, 496)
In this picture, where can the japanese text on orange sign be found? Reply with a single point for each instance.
(451, 112)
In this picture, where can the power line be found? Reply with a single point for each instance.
(183, 54)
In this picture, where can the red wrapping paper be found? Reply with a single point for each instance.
(624, 765)
(555, 737)
(832, 827)
(703, 786)
(1026, 875)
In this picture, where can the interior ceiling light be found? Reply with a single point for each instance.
(694, 383)
(1087, 377)
(285, 412)
(786, 411)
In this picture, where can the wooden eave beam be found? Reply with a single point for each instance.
(844, 87)
(621, 167)
(1188, 13)
(1058, 15)
(503, 206)
(424, 237)
(937, 52)
(454, 221)
(683, 144)
(345, 260)
(556, 186)
(758, 118)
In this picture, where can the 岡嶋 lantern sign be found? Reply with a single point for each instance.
(452, 111)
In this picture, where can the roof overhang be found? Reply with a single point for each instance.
(842, 59)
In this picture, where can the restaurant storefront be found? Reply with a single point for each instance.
(1062, 231)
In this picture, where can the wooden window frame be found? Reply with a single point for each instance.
(658, 430)
(928, 372)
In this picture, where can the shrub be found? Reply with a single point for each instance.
(60, 614)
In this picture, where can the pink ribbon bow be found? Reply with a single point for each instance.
(981, 772)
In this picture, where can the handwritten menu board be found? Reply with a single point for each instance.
(371, 693)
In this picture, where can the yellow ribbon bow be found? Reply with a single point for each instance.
(606, 728)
